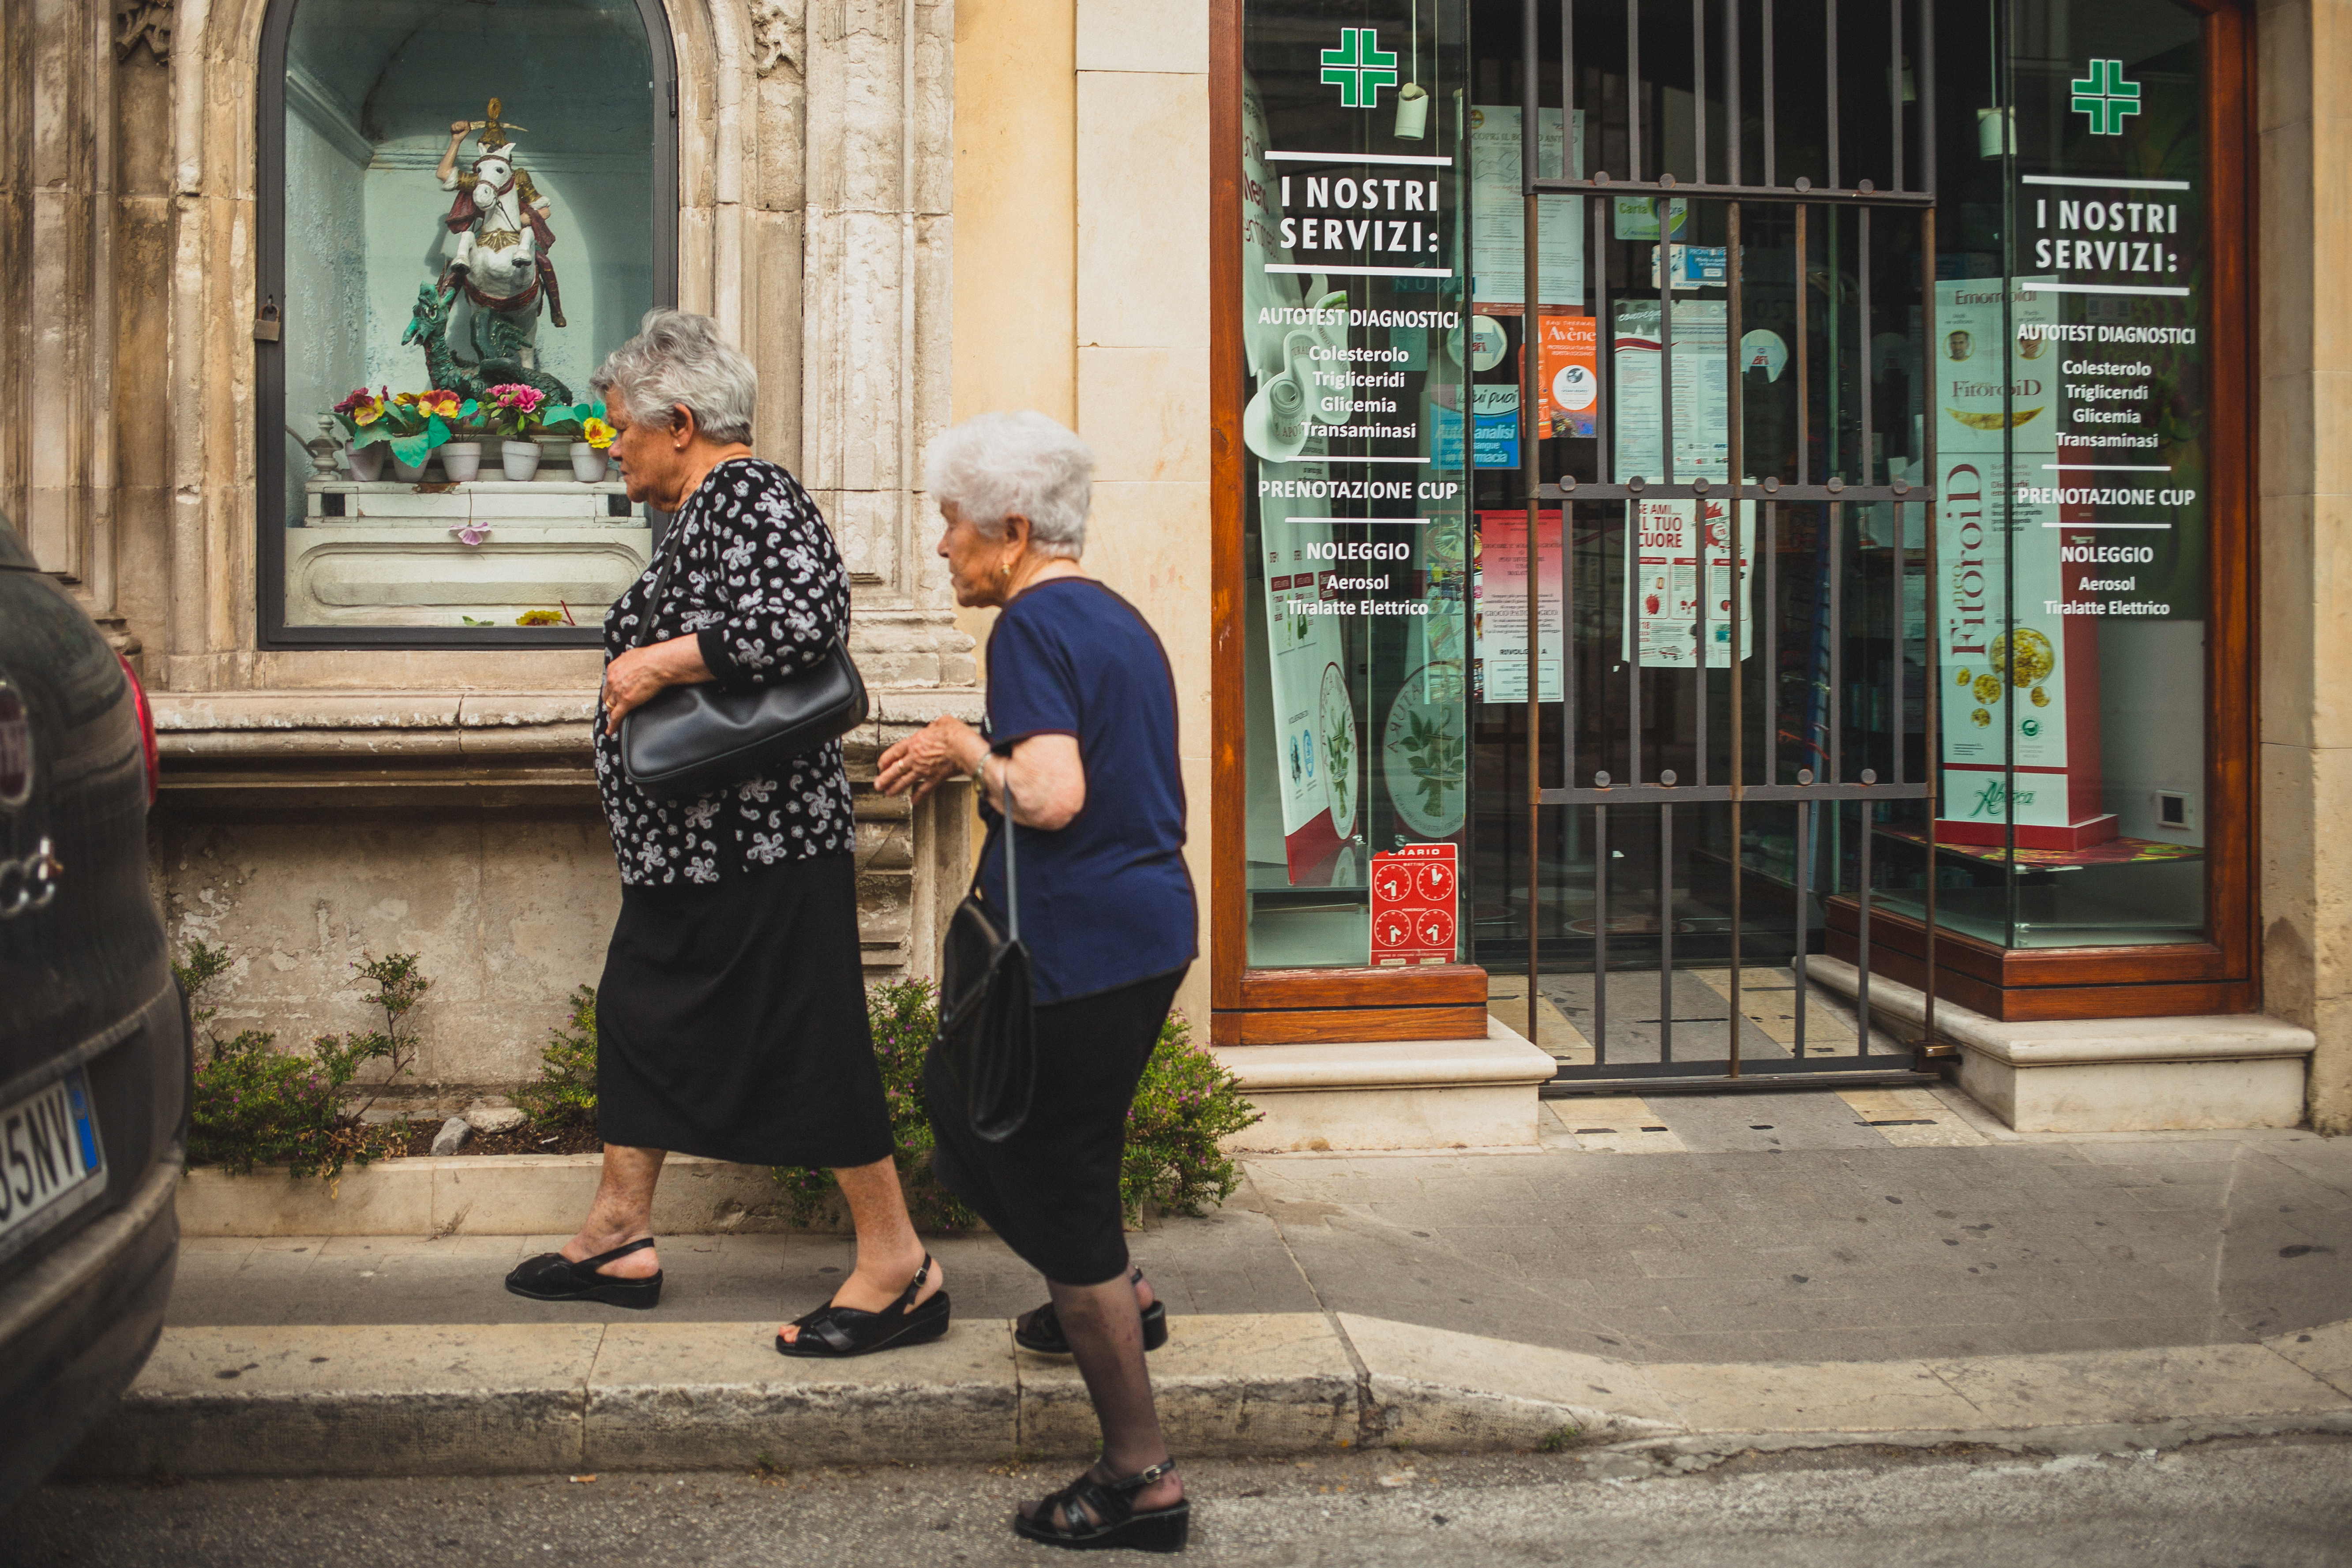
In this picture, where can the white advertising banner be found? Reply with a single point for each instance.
(1667, 590)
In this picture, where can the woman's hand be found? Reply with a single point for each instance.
(640, 675)
(939, 750)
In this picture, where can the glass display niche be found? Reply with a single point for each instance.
(467, 195)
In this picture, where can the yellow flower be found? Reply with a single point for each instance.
(596, 433)
(444, 403)
(367, 413)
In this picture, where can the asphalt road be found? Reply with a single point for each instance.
(2265, 1503)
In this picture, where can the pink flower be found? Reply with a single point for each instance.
(471, 534)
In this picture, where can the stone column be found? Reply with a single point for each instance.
(56, 462)
(2303, 531)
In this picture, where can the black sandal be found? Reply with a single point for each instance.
(1102, 1515)
(834, 1332)
(1040, 1328)
(552, 1277)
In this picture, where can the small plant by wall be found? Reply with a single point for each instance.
(563, 1098)
(256, 1105)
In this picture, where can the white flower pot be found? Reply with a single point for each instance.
(404, 474)
(461, 461)
(521, 459)
(367, 462)
(588, 462)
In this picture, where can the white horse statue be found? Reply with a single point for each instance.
(497, 246)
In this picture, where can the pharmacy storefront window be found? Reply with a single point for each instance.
(2076, 406)
(465, 208)
(1357, 422)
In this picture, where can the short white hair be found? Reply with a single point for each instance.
(681, 359)
(996, 466)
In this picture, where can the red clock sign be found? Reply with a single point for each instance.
(1415, 898)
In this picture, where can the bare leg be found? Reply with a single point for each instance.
(1104, 1329)
(622, 1212)
(889, 1250)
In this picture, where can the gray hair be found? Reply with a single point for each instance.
(996, 466)
(677, 358)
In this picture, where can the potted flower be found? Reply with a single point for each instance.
(417, 427)
(367, 431)
(513, 411)
(461, 452)
(589, 437)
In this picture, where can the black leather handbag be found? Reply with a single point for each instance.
(988, 1027)
(692, 739)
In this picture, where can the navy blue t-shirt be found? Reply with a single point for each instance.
(1105, 900)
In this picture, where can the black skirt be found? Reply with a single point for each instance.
(731, 1021)
(1051, 1190)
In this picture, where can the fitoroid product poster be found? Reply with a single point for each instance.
(2004, 713)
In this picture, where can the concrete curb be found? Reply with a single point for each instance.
(505, 1399)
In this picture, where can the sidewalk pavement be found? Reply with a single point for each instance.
(1671, 1271)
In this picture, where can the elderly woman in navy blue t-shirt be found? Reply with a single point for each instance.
(1082, 735)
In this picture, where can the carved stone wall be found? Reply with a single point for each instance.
(318, 803)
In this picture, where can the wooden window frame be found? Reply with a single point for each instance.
(2222, 974)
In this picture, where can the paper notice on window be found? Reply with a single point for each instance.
(1498, 228)
(1667, 587)
(1567, 373)
(1702, 384)
(1499, 671)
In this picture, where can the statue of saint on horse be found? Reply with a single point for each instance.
(497, 270)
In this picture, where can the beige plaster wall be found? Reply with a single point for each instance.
(1082, 289)
(1143, 325)
(2304, 533)
(1016, 219)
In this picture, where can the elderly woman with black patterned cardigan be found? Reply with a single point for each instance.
(731, 1016)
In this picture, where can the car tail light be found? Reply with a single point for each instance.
(146, 725)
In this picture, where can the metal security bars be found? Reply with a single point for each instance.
(1823, 494)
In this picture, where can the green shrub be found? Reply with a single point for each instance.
(1185, 1103)
(256, 1105)
(563, 1096)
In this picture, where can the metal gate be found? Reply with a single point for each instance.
(1700, 817)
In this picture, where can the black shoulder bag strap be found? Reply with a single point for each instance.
(987, 1014)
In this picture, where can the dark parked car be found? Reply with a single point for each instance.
(94, 1037)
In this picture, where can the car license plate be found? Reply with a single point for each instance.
(51, 1162)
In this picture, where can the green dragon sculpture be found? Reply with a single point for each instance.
(502, 361)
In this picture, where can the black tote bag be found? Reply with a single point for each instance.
(692, 738)
(988, 1030)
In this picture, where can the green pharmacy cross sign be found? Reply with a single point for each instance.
(2103, 95)
(1359, 68)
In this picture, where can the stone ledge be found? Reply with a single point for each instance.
(291, 725)
(479, 1194)
(1504, 1057)
(1388, 1095)
(2220, 1036)
(2108, 1075)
